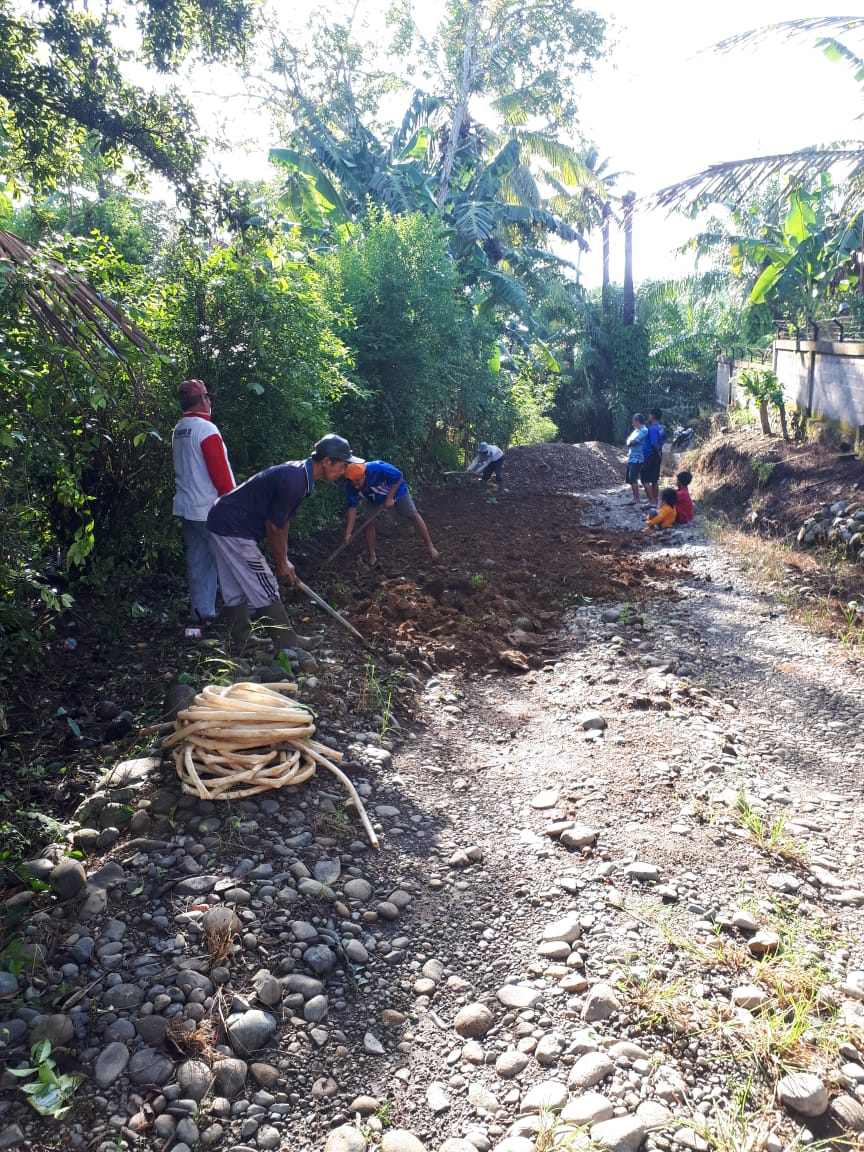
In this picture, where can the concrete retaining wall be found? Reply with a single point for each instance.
(822, 379)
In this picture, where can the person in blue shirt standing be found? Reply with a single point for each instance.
(636, 454)
(653, 451)
(384, 485)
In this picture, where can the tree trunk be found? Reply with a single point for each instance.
(784, 427)
(604, 231)
(629, 299)
(764, 418)
(461, 104)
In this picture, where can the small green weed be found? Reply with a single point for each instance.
(48, 1091)
(763, 470)
(767, 834)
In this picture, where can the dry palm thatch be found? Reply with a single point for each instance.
(732, 182)
(64, 305)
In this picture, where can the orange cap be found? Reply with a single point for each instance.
(355, 471)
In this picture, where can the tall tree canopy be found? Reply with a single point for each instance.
(63, 84)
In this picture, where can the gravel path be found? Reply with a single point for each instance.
(617, 906)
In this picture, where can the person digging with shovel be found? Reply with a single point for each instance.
(488, 463)
(263, 507)
(381, 484)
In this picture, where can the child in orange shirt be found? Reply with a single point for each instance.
(665, 517)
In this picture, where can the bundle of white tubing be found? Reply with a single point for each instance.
(247, 738)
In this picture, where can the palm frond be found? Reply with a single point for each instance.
(835, 51)
(733, 181)
(65, 306)
(295, 161)
(475, 219)
(512, 107)
(417, 115)
(791, 30)
(520, 187)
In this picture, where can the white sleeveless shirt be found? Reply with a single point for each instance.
(195, 490)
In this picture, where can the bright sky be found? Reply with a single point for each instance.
(665, 106)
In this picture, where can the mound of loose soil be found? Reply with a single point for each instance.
(505, 560)
(563, 467)
(796, 479)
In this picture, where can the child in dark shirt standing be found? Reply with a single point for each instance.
(684, 505)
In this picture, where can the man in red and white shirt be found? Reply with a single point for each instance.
(203, 473)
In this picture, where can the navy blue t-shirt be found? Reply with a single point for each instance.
(274, 494)
(379, 479)
(656, 439)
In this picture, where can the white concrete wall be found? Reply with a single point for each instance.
(837, 391)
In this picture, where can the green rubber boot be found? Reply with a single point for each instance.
(277, 625)
(239, 628)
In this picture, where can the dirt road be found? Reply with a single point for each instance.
(617, 904)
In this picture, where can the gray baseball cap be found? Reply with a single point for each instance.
(334, 448)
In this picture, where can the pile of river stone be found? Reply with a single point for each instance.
(841, 522)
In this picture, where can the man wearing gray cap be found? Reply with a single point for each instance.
(263, 507)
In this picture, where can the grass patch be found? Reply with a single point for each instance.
(768, 834)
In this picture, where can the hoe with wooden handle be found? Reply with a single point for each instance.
(307, 591)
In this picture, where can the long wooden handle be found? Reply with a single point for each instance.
(306, 590)
(367, 520)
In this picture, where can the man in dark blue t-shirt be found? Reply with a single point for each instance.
(652, 450)
(382, 484)
(263, 506)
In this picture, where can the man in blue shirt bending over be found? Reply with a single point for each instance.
(382, 484)
(263, 507)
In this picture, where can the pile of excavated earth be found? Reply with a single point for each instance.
(617, 902)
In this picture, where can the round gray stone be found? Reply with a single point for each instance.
(147, 1066)
(56, 1028)
(122, 997)
(547, 1096)
(622, 1134)
(401, 1140)
(346, 1139)
(473, 1021)
(511, 1063)
(110, 1063)
(248, 1031)
(588, 1108)
(320, 958)
(600, 1003)
(67, 879)
(804, 1092)
(518, 996)
(315, 1010)
(590, 1069)
(195, 1079)
(230, 1076)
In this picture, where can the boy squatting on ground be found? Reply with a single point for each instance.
(380, 483)
(263, 506)
(636, 454)
(488, 462)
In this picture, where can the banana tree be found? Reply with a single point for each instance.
(804, 260)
